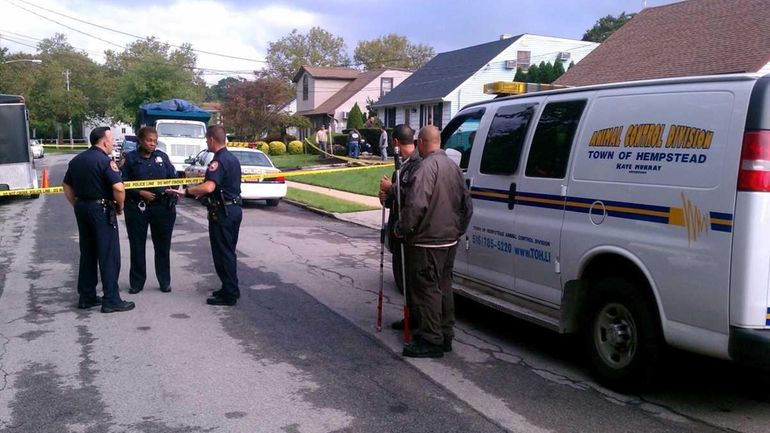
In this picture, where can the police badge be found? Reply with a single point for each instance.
(159, 160)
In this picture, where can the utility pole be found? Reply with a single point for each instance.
(67, 74)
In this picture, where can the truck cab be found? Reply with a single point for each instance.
(180, 139)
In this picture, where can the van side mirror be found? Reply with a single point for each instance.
(189, 160)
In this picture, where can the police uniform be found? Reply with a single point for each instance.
(225, 214)
(91, 174)
(159, 215)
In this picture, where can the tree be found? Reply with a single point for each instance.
(316, 48)
(355, 117)
(392, 51)
(254, 108)
(149, 71)
(218, 92)
(606, 26)
(543, 73)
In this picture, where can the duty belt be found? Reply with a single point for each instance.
(236, 201)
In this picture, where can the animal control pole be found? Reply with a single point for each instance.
(383, 230)
(397, 162)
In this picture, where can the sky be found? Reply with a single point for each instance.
(240, 31)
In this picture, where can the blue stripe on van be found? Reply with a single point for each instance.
(719, 221)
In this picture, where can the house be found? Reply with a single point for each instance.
(696, 37)
(451, 80)
(326, 95)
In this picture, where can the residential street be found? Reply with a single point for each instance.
(299, 352)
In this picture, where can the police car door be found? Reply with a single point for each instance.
(541, 196)
(494, 175)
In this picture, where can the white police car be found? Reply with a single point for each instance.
(253, 161)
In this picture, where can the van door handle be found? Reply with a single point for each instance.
(511, 195)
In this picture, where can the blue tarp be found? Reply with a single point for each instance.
(173, 105)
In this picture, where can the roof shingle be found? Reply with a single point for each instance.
(695, 37)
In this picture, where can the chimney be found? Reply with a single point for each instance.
(505, 36)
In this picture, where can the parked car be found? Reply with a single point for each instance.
(37, 148)
(252, 162)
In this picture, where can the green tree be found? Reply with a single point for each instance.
(218, 92)
(558, 70)
(533, 74)
(316, 48)
(606, 26)
(355, 117)
(150, 71)
(546, 72)
(393, 51)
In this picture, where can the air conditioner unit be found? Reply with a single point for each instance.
(510, 64)
(344, 115)
(563, 56)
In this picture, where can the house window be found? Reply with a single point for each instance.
(304, 87)
(426, 115)
(523, 59)
(390, 117)
(386, 85)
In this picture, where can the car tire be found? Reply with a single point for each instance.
(273, 202)
(34, 196)
(623, 338)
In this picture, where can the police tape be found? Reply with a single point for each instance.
(155, 183)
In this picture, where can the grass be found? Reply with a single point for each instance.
(325, 202)
(292, 161)
(366, 182)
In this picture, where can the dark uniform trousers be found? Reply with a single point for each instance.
(223, 234)
(160, 218)
(430, 281)
(99, 244)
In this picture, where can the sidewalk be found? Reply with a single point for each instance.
(368, 218)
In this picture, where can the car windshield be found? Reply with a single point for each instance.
(180, 130)
(252, 158)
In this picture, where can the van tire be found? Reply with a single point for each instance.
(34, 196)
(623, 336)
(273, 202)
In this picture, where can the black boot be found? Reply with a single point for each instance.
(420, 348)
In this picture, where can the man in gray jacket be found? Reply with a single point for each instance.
(436, 212)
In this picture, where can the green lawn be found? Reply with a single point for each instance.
(366, 182)
(293, 161)
(325, 202)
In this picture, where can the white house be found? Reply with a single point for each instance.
(326, 95)
(451, 80)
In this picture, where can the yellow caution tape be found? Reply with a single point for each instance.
(155, 183)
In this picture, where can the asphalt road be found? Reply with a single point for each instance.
(299, 353)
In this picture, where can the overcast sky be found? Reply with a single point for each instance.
(242, 28)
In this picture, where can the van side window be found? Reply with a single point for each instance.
(457, 137)
(505, 139)
(552, 142)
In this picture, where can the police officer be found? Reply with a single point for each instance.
(222, 190)
(94, 188)
(149, 207)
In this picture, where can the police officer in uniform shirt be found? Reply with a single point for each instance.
(149, 207)
(94, 188)
(222, 190)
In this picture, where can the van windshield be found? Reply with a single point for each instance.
(13, 134)
(459, 135)
(180, 130)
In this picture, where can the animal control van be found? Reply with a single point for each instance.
(636, 214)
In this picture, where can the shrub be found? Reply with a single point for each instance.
(277, 148)
(276, 136)
(263, 146)
(295, 147)
(338, 149)
(341, 139)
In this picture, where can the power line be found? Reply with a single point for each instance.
(132, 35)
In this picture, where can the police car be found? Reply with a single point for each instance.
(253, 161)
(634, 214)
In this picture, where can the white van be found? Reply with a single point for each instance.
(636, 214)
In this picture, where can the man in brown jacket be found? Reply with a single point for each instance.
(436, 212)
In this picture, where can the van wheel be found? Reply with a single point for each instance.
(34, 196)
(273, 202)
(623, 337)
